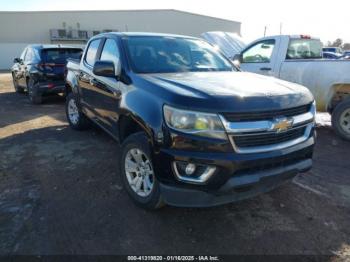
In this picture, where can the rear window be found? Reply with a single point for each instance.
(60, 55)
(304, 49)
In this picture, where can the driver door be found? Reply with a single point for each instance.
(257, 58)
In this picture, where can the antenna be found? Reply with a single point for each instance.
(265, 30)
(126, 28)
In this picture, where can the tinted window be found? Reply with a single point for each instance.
(304, 49)
(148, 54)
(59, 55)
(110, 51)
(260, 52)
(92, 51)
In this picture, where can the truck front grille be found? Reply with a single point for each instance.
(266, 115)
(264, 139)
(260, 132)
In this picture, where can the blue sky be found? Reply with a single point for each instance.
(325, 19)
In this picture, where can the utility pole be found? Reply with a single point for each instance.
(281, 28)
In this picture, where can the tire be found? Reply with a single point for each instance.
(148, 196)
(33, 93)
(18, 89)
(341, 119)
(75, 117)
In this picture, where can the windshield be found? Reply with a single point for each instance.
(60, 55)
(154, 54)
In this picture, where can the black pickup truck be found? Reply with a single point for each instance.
(40, 70)
(194, 131)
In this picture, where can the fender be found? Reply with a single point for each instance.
(72, 82)
(143, 107)
(32, 72)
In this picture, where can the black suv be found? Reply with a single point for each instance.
(40, 70)
(194, 130)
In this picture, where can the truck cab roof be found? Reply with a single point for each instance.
(52, 46)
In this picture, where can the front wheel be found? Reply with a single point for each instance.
(137, 172)
(18, 88)
(341, 119)
(76, 119)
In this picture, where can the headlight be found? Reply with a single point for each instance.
(201, 124)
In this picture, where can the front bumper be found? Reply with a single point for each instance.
(238, 176)
(235, 189)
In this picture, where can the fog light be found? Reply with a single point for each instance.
(190, 169)
(192, 173)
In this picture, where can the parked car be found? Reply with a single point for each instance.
(330, 55)
(298, 59)
(40, 70)
(336, 50)
(346, 54)
(194, 131)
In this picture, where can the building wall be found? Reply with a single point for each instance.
(17, 29)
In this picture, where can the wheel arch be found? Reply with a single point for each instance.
(339, 92)
(129, 124)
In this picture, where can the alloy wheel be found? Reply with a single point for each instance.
(139, 172)
(73, 112)
(345, 121)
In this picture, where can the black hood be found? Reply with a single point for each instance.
(228, 91)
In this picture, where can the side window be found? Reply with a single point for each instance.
(23, 54)
(90, 57)
(110, 51)
(260, 52)
(29, 55)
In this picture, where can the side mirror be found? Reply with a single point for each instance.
(17, 60)
(237, 60)
(106, 68)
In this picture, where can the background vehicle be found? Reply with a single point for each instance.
(346, 54)
(330, 55)
(40, 70)
(194, 131)
(298, 59)
(336, 50)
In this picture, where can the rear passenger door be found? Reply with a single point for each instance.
(106, 90)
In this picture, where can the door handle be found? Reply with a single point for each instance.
(265, 69)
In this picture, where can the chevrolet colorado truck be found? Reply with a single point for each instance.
(298, 59)
(40, 70)
(194, 131)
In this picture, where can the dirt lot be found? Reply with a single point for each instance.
(60, 194)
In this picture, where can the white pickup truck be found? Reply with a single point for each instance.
(298, 59)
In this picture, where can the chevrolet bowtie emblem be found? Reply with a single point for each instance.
(281, 124)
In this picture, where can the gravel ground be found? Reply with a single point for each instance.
(60, 194)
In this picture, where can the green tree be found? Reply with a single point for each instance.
(338, 42)
(346, 46)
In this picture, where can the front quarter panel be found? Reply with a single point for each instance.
(72, 81)
(144, 107)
